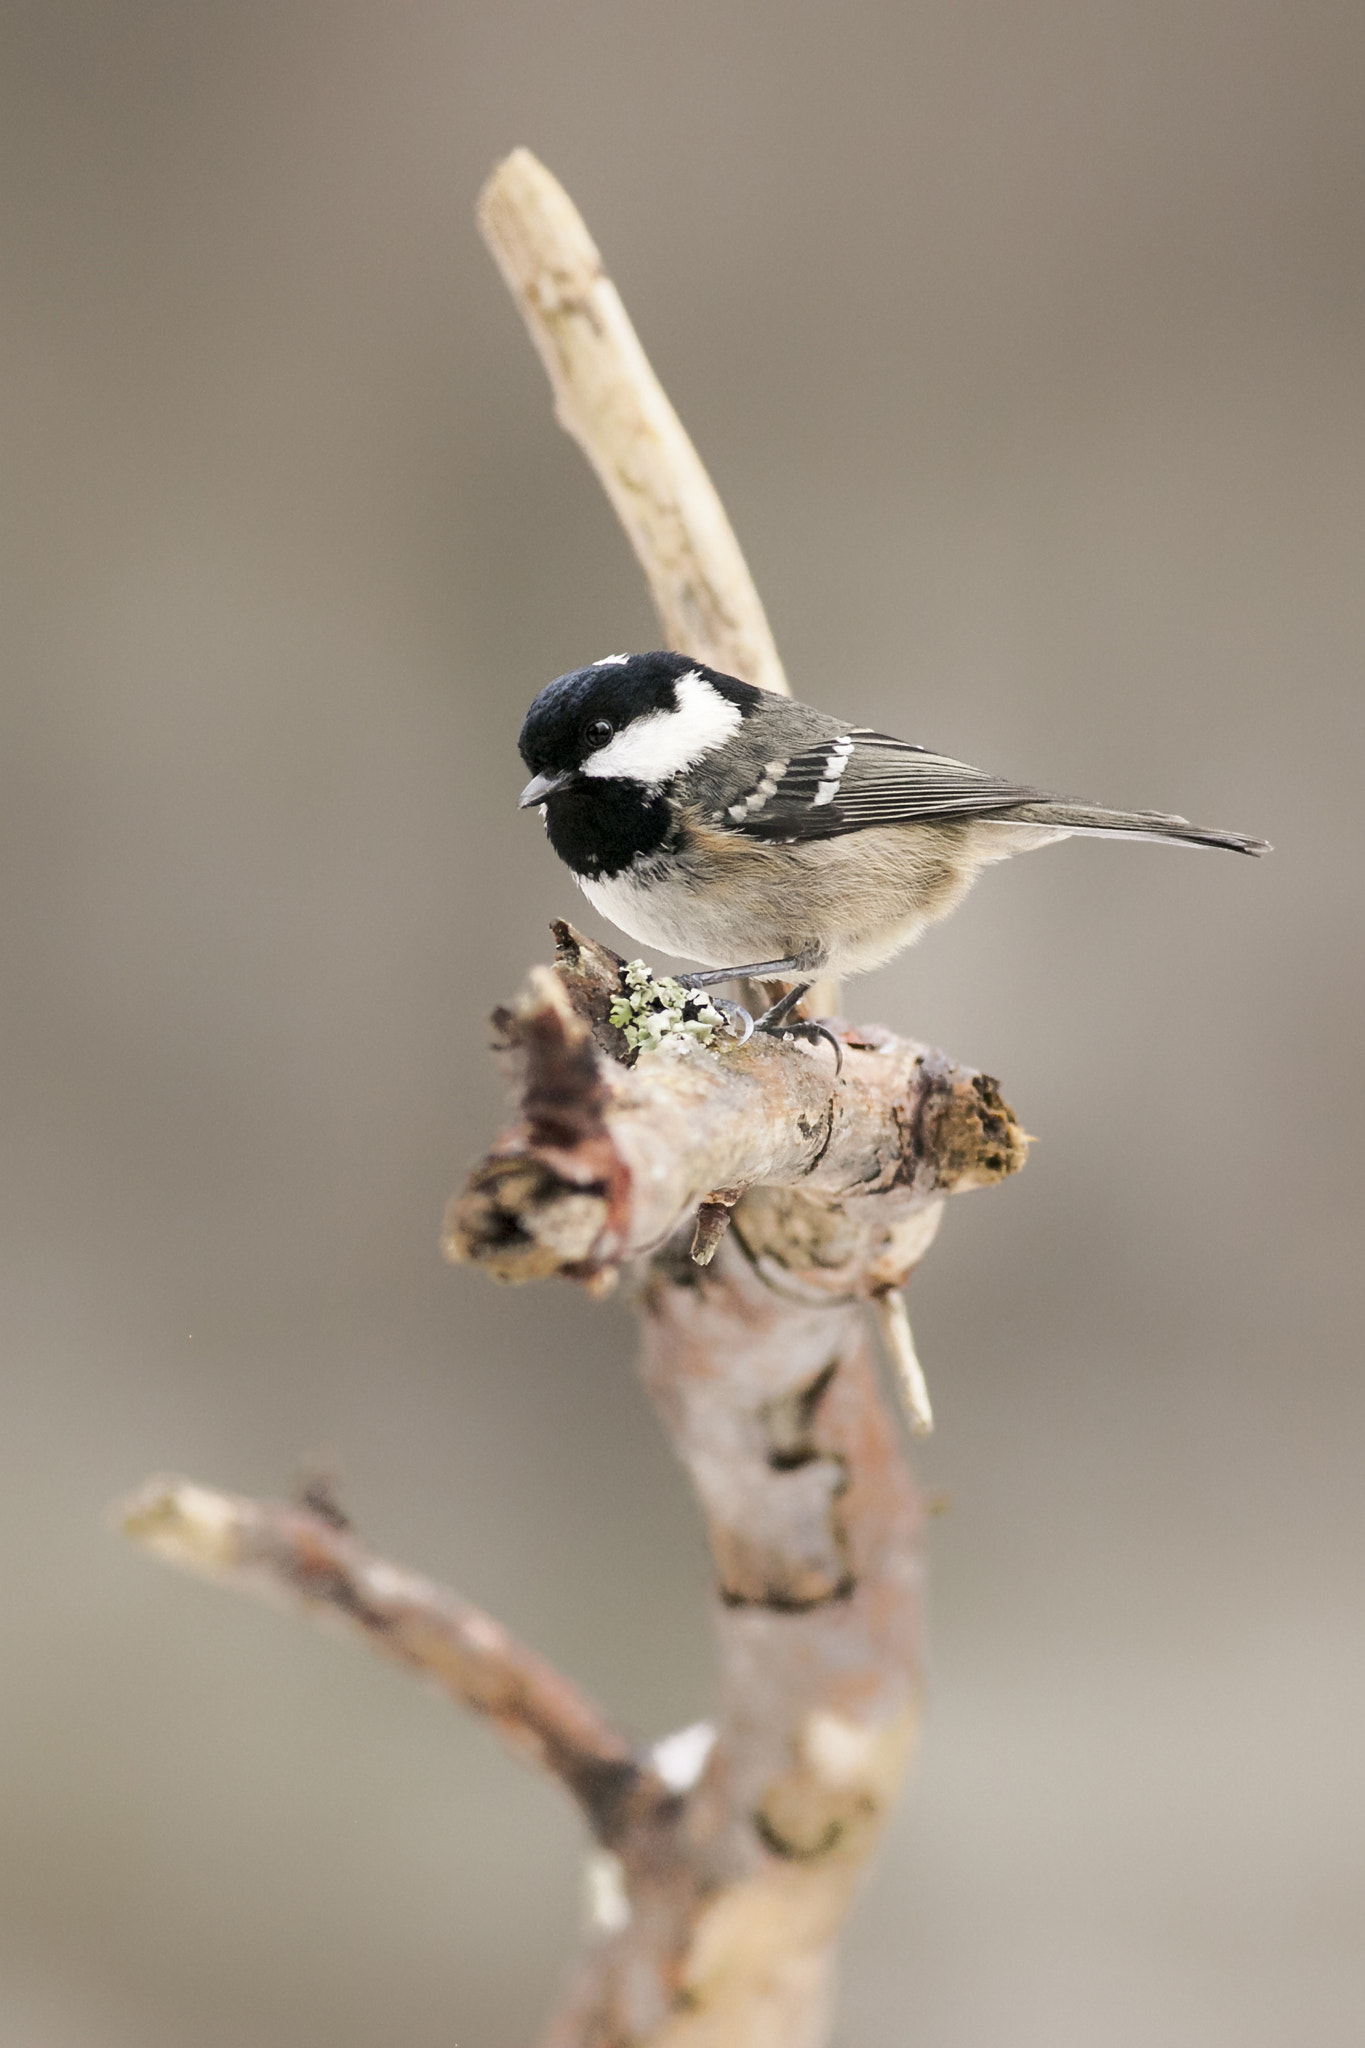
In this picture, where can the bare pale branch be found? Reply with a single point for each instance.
(609, 399)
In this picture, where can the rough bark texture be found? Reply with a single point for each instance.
(814, 1529)
(608, 1160)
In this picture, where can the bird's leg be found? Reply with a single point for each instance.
(777, 1013)
(758, 970)
(774, 1020)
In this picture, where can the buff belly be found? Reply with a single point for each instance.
(848, 903)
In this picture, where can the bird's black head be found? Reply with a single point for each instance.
(604, 742)
(634, 717)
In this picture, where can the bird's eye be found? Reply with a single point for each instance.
(599, 732)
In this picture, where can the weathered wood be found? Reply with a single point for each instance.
(727, 1856)
(726, 1909)
(814, 1526)
(607, 1160)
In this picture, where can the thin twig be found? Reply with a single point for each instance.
(893, 1319)
(296, 1557)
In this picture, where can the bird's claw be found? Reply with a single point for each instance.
(810, 1029)
(737, 1019)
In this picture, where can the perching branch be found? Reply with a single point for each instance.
(762, 1206)
(606, 1162)
(760, 1366)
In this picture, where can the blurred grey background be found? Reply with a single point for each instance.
(1025, 346)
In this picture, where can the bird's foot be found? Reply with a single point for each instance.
(776, 1022)
(808, 1028)
(739, 1025)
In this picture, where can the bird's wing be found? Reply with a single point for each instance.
(861, 778)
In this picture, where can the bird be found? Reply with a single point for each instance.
(762, 838)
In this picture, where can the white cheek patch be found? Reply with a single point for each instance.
(655, 748)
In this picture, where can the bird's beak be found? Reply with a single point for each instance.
(541, 786)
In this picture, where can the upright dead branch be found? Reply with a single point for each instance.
(759, 1365)
(766, 1211)
(608, 397)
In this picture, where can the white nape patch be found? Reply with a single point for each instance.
(681, 1758)
(604, 1886)
(658, 746)
(835, 764)
(609, 661)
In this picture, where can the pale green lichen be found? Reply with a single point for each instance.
(649, 1010)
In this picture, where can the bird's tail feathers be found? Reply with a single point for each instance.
(1103, 824)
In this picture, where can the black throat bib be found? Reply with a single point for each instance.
(599, 827)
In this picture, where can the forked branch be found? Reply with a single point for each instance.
(728, 1856)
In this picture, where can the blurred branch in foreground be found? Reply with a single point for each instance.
(760, 1204)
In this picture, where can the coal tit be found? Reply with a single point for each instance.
(737, 828)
